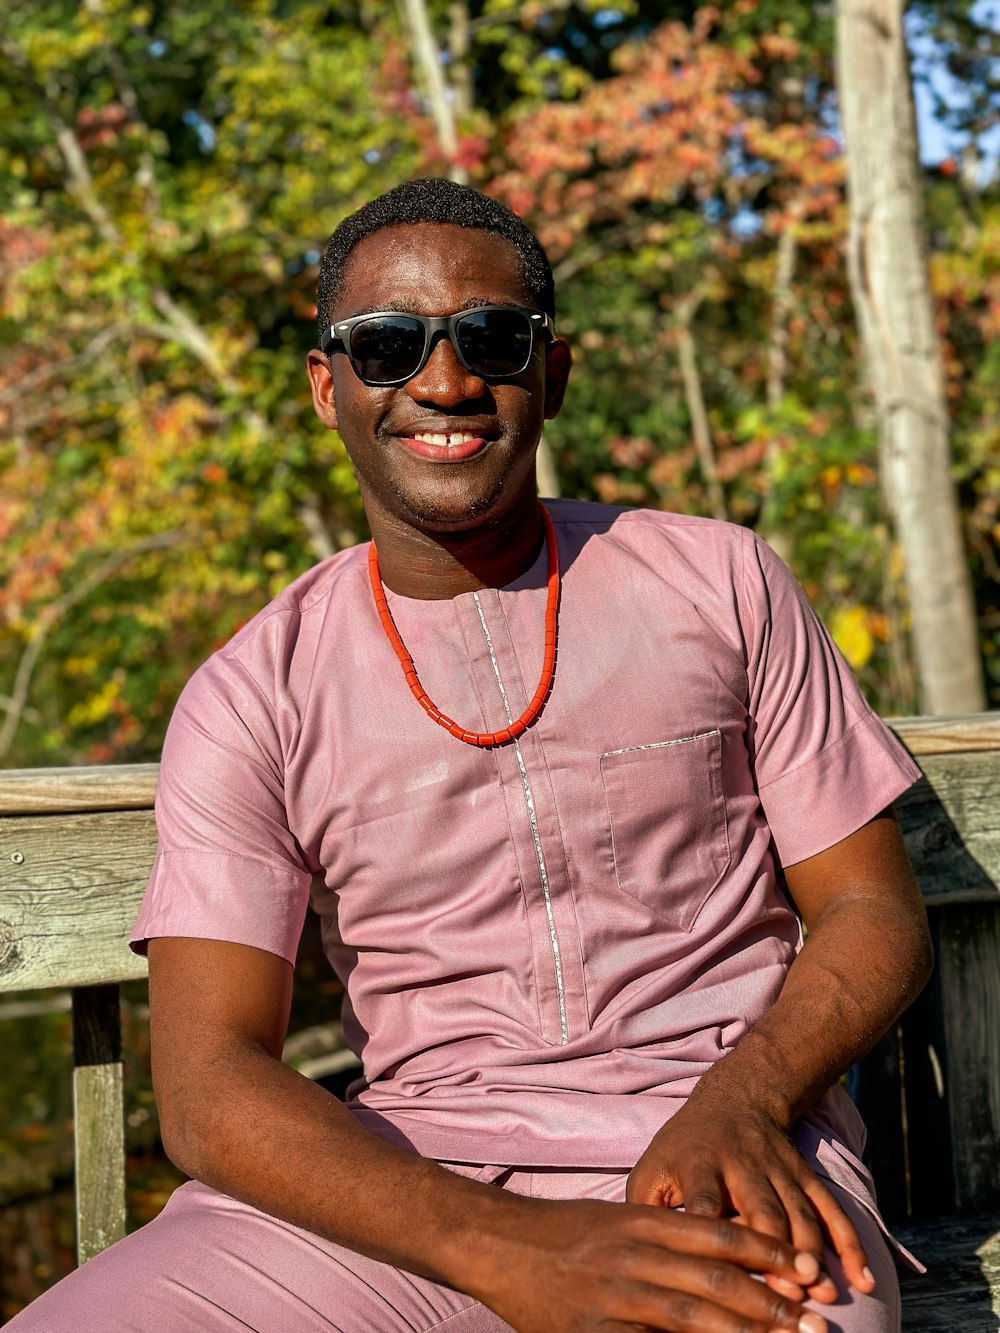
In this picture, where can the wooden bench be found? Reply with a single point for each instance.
(76, 846)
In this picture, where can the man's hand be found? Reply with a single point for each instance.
(605, 1267)
(866, 956)
(234, 1117)
(719, 1158)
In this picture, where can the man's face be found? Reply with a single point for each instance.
(432, 269)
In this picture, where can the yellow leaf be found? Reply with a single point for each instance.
(95, 709)
(852, 634)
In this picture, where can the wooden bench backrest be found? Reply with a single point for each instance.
(76, 846)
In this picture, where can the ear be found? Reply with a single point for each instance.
(321, 379)
(558, 360)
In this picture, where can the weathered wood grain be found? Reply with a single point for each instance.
(926, 1135)
(70, 888)
(876, 1087)
(960, 1292)
(947, 735)
(70, 883)
(41, 791)
(951, 824)
(969, 970)
(29, 791)
(947, 1144)
(98, 1120)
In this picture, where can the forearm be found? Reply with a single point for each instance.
(863, 962)
(271, 1138)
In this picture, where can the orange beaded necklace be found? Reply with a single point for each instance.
(483, 738)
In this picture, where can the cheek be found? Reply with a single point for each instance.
(359, 410)
(523, 408)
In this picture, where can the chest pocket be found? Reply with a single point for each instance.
(669, 833)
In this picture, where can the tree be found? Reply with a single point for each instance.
(168, 177)
(895, 312)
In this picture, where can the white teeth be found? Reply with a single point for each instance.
(458, 437)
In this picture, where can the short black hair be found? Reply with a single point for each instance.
(432, 200)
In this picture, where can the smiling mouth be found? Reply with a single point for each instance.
(441, 447)
(450, 440)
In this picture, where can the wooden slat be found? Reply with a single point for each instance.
(876, 1087)
(41, 791)
(98, 1120)
(951, 823)
(960, 1292)
(29, 791)
(952, 1067)
(70, 888)
(926, 1068)
(948, 735)
(969, 970)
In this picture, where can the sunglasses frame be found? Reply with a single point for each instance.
(434, 326)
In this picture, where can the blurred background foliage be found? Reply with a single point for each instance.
(169, 175)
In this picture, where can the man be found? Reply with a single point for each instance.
(540, 773)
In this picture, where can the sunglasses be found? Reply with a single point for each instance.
(494, 342)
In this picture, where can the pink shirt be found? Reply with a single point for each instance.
(546, 944)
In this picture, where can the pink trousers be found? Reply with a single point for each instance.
(208, 1264)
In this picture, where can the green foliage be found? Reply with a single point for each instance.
(168, 176)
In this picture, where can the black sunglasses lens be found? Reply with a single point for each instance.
(495, 343)
(387, 348)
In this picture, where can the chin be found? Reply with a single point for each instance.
(440, 513)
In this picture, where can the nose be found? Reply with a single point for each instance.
(443, 380)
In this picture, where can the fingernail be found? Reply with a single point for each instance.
(812, 1323)
(807, 1266)
(868, 1275)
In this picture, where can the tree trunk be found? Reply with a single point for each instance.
(445, 100)
(895, 313)
(427, 57)
(701, 433)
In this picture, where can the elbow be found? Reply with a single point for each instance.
(182, 1142)
(191, 1109)
(920, 957)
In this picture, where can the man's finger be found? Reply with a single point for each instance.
(704, 1192)
(647, 1186)
(757, 1201)
(806, 1235)
(806, 1231)
(709, 1296)
(685, 1233)
(844, 1239)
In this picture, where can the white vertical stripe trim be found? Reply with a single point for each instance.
(529, 801)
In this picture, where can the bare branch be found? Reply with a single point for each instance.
(516, 15)
(781, 308)
(439, 95)
(309, 516)
(80, 183)
(618, 238)
(50, 616)
(194, 338)
(695, 399)
(29, 714)
(545, 470)
(38, 379)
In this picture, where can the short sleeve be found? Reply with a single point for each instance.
(227, 866)
(824, 763)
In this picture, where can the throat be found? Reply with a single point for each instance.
(440, 566)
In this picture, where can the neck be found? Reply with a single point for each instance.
(438, 566)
